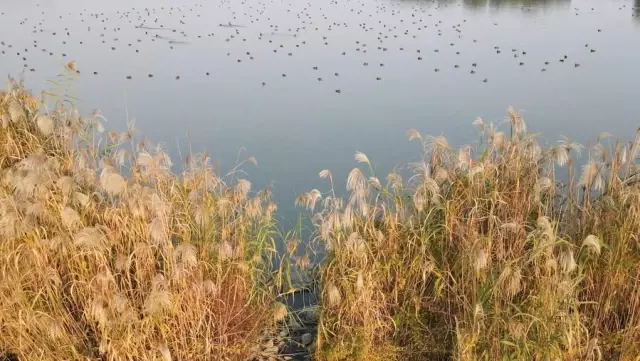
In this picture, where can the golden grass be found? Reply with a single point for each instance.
(482, 254)
(106, 255)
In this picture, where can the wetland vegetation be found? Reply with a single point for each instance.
(501, 250)
(117, 245)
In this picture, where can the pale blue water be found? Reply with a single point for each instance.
(297, 125)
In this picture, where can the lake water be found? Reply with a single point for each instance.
(299, 124)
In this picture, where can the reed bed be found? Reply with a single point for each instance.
(504, 250)
(107, 255)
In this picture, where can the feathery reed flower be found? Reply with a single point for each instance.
(325, 173)
(186, 254)
(510, 280)
(395, 180)
(112, 182)
(210, 288)
(280, 311)
(158, 230)
(71, 66)
(334, 296)
(70, 218)
(567, 261)
(157, 301)
(362, 158)
(356, 244)
(45, 124)
(65, 184)
(226, 251)
(413, 134)
(481, 260)
(16, 112)
(308, 200)
(375, 183)
(98, 312)
(592, 176)
(242, 189)
(592, 243)
(356, 180)
(90, 238)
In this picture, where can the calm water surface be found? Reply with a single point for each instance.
(298, 124)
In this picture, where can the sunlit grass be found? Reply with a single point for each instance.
(482, 254)
(505, 250)
(107, 255)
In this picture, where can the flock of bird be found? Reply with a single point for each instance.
(383, 28)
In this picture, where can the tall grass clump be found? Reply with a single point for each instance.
(107, 255)
(506, 250)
